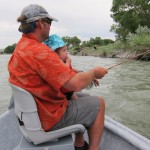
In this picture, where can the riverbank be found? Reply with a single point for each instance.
(110, 52)
(135, 44)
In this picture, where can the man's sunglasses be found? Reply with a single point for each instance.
(47, 20)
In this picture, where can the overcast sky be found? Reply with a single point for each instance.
(81, 18)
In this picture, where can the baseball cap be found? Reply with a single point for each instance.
(35, 12)
(54, 42)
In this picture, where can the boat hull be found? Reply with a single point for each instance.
(115, 137)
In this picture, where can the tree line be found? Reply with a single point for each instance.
(71, 42)
(132, 25)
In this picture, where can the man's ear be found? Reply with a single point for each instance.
(39, 23)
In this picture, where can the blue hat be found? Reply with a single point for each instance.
(54, 42)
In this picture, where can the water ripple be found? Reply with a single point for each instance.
(126, 89)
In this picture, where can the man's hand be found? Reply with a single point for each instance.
(99, 72)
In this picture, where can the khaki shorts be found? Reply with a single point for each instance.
(81, 111)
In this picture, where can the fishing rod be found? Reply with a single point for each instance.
(131, 59)
(123, 62)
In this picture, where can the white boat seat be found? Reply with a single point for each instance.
(30, 125)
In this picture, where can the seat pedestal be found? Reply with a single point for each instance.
(64, 143)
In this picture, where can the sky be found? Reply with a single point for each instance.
(82, 18)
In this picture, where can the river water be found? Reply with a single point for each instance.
(126, 89)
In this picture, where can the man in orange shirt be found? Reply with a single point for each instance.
(36, 68)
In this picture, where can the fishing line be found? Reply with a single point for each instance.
(129, 60)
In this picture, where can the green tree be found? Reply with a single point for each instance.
(98, 41)
(75, 41)
(91, 42)
(107, 41)
(9, 49)
(128, 15)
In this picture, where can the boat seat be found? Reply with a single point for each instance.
(30, 125)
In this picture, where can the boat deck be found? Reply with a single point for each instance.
(115, 137)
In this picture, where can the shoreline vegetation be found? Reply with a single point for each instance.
(132, 31)
(136, 44)
(109, 52)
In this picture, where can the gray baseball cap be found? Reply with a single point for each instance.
(35, 12)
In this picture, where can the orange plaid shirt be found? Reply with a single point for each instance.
(36, 68)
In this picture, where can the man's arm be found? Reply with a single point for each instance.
(82, 79)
